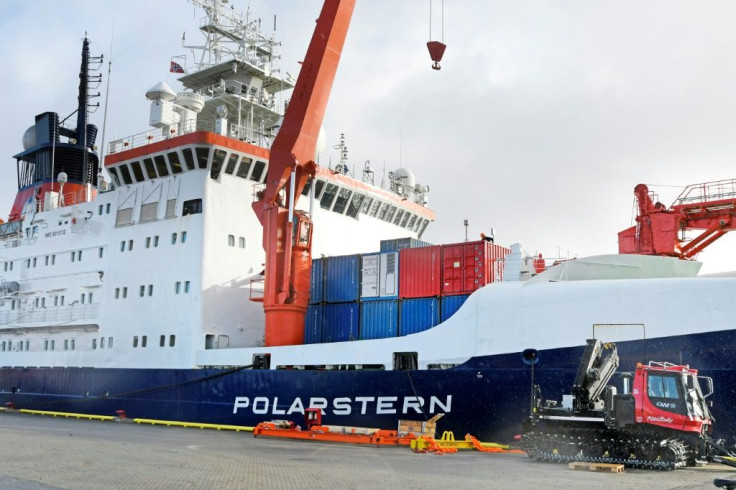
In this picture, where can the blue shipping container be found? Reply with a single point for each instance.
(313, 325)
(340, 322)
(317, 287)
(398, 243)
(450, 304)
(379, 319)
(342, 279)
(418, 314)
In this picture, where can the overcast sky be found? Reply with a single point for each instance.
(543, 119)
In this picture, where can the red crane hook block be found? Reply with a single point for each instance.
(436, 50)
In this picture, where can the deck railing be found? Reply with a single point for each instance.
(54, 315)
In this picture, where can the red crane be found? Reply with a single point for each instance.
(287, 233)
(659, 230)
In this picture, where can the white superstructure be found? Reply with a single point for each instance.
(166, 261)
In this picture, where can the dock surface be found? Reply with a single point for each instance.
(39, 452)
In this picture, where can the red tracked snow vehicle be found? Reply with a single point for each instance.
(660, 421)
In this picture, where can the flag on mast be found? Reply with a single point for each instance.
(175, 67)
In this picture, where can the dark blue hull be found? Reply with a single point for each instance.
(486, 396)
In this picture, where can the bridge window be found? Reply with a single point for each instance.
(375, 208)
(328, 196)
(382, 213)
(407, 215)
(203, 156)
(412, 219)
(217, 160)
(399, 215)
(343, 197)
(391, 212)
(318, 187)
(114, 174)
(163, 171)
(244, 167)
(366, 205)
(125, 173)
(150, 168)
(231, 163)
(258, 171)
(175, 162)
(188, 158)
(137, 171)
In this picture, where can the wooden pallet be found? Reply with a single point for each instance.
(606, 467)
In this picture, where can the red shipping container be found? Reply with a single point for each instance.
(420, 272)
(471, 265)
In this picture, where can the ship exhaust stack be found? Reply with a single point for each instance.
(49, 148)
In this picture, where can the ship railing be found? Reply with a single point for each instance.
(251, 94)
(707, 192)
(157, 134)
(60, 201)
(54, 314)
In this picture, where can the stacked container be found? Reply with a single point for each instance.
(333, 315)
(469, 266)
(401, 243)
(409, 289)
(379, 319)
(420, 273)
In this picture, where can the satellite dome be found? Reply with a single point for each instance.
(29, 138)
(62, 178)
(406, 177)
(161, 91)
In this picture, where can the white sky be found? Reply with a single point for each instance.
(543, 119)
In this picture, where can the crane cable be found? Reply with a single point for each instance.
(442, 20)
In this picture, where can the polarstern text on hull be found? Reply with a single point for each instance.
(345, 405)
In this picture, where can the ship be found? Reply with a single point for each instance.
(135, 284)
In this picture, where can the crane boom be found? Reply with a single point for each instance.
(710, 206)
(287, 233)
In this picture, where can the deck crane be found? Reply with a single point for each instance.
(287, 233)
(659, 230)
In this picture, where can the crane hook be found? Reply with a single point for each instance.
(436, 48)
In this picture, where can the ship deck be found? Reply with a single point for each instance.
(42, 453)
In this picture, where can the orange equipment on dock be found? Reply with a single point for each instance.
(331, 433)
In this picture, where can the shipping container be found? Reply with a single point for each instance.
(313, 324)
(471, 265)
(317, 287)
(400, 243)
(342, 279)
(450, 304)
(420, 272)
(379, 276)
(418, 314)
(340, 322)
(379, 319)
